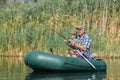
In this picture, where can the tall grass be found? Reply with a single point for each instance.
(26, 27)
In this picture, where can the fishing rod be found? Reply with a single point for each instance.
(59, 34)
(51, 50)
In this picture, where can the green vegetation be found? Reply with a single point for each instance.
(26, 27)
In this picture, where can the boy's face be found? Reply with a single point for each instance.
(73, 36)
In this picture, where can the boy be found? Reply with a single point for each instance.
(71, 50)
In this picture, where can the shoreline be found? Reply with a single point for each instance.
(22, 56)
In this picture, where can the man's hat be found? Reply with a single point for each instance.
(81, 27)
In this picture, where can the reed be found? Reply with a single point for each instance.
(27, 27)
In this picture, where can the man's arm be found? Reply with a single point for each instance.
(78, 46)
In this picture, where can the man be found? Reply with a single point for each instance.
(83, 44)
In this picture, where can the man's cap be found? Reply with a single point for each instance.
(81, 27)
(73, 32)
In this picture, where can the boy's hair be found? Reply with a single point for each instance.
(73, 32)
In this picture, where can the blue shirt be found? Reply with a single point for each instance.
(84, 41)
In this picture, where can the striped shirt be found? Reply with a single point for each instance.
(84, 41)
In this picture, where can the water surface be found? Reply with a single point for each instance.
(15, 69)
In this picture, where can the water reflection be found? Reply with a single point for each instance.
(12, 68)
(65, 76)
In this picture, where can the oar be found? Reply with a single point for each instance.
(87, 60)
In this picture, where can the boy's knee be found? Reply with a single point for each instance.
(74, 56)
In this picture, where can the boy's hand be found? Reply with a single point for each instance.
(71, 44)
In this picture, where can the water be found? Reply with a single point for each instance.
(65, 76)
(15, 69)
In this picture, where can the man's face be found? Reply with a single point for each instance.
(81, 32)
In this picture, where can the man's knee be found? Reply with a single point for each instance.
(93, 56)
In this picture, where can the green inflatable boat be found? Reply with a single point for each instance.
(41, 61)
